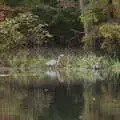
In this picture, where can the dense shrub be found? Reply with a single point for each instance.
(92, 40)
(34, 3)
(61, 22)
(111, 37)
(108, 36)
(95, 11)
(9, 36)
(21, 30)
(39, 36)
(99, 35)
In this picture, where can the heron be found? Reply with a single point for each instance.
(54, 62)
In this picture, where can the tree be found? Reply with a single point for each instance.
(11, 2)
(82, 7)
(110, 12)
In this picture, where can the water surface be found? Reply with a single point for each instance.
(60, 95)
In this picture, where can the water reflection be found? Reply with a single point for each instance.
(60, 95)
(51, 73)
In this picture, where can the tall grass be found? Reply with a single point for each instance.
(116, 65)
(25, 62)
(87, 61)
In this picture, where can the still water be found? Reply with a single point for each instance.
(60, 95)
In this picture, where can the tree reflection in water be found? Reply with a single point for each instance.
(50, 99)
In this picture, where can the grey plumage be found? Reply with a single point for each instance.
(51, 62)
(54, 62)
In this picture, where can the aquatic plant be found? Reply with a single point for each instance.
(116, 65)
(24, 62)
(87, 61)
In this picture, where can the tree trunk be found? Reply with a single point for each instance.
(82, 5)
(110, 13)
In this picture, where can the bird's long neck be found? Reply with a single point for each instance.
(58, 60)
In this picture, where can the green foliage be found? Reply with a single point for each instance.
(11, 2)
(21, 30)
(9, 36)
(89, 39)
(37, 3)
(64, 62)
(87, 61)
(60, 23)
(39, 36)
(25, 63)
(67, 62)
(111, 37)
(45, 13)
(110, 30)
(31, 3)
(94, 11)
(107, 35)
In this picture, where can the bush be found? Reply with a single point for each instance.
(111, 37)
(108, 37)
(92, 39)
(22, 30)
(9, 36)
(61, 22)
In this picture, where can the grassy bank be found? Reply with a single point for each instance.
(69, 61)
(72, 66)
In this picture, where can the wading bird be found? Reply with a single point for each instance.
(53, 62)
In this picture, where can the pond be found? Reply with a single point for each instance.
(60, 95)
